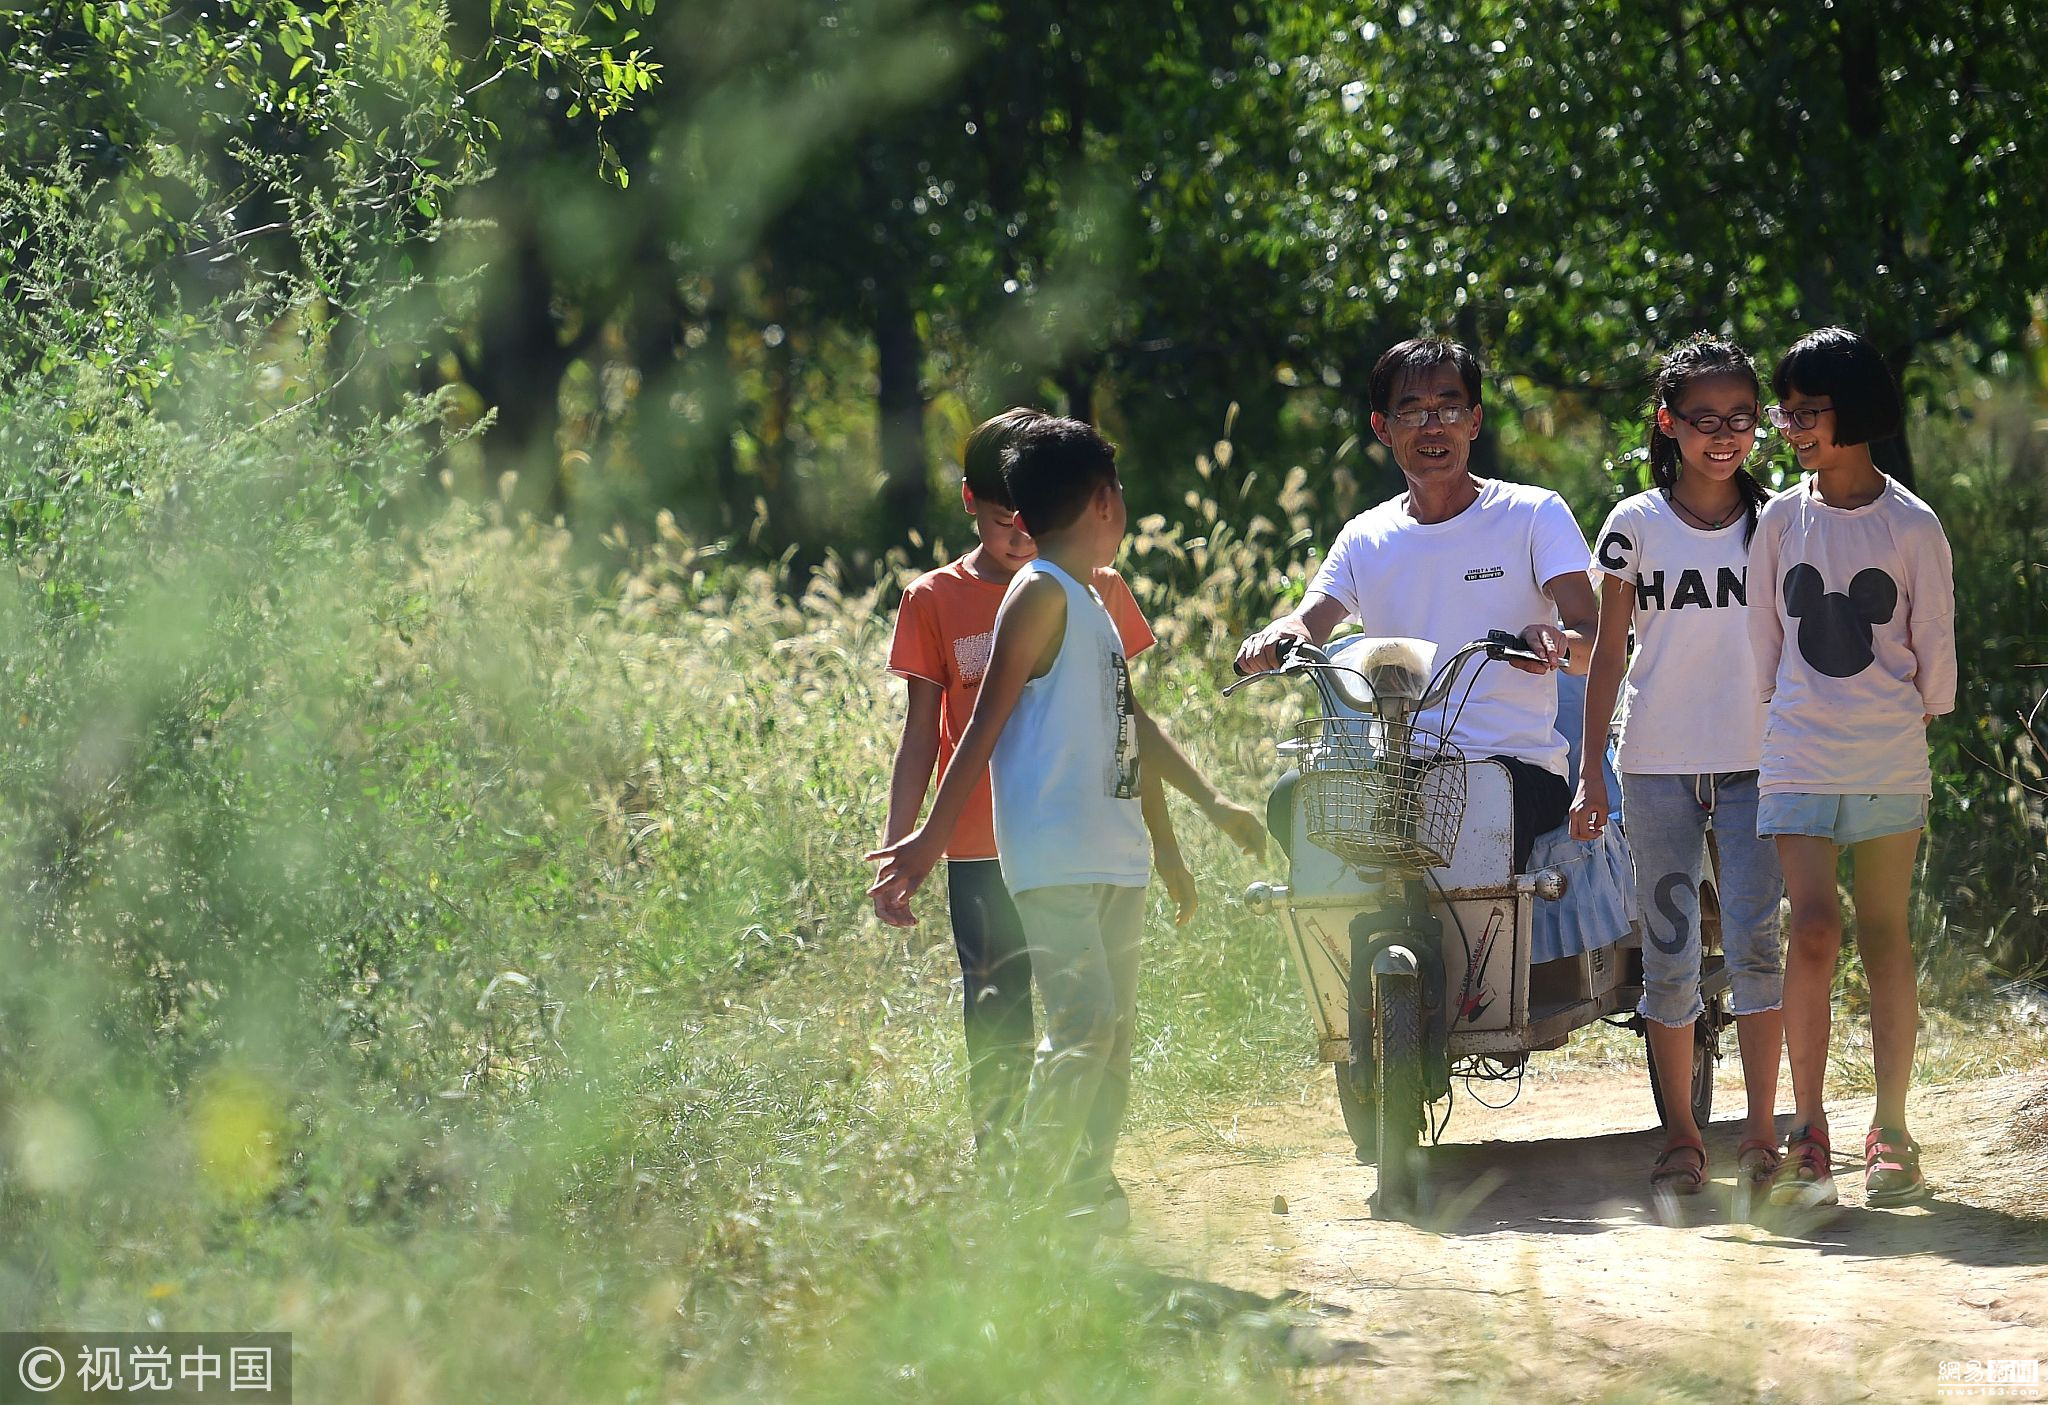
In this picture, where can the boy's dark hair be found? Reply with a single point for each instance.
(1421, 354)
(981, 461)
(1692, 360)
(1846, 368)
(1053, 467)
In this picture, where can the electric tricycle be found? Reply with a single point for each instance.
(1425, 956)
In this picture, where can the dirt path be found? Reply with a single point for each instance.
(1542, 1266)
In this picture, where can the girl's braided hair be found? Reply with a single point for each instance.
(1702, 355)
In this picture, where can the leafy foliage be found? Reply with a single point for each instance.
(1593, 179)
(435, 921)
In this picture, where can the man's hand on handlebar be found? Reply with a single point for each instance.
(1548, 643)
(1259, 652)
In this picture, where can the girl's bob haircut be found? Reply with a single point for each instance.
(1847, 369)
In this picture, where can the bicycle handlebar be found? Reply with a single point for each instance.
(1299, 656)
(1282, 647)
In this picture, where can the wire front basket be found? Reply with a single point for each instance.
(1380, 794)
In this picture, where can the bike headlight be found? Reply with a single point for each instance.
(1262, 899)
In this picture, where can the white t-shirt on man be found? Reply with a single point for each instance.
(1450, 583)
(1690, 701)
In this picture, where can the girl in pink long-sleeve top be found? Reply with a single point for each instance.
(1852, 619)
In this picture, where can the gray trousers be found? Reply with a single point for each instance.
(1667, 817)
(1083, 940)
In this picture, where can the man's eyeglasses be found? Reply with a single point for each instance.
(1782, 418)
(1449, 415)
(1741, 422)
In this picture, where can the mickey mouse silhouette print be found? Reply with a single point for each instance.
(1852, 624)
(1835, 627)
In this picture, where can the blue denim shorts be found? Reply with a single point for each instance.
(1846, 819)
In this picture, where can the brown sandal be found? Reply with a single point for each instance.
(1759, 1160)
(1680, 1179)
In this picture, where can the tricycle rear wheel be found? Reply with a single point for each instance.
(1706, 1051)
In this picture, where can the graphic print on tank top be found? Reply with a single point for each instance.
(1835, 626)
(1123, 780)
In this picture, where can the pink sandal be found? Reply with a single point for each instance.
(1806, 1179)
(1891, 1168)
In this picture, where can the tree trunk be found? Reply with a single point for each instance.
(659, 439)
(1077, 385)
(1485, 460)
(718, 386)
(1860, 30)
(1894, 456)
(519, 366)
(906, 480)
(688, 459)
(783, 525)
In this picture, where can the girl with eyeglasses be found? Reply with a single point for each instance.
(1852, 616)
(1673, 564)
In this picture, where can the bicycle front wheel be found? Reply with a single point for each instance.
(1397, 1041)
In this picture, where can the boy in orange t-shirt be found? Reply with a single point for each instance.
(944, 629)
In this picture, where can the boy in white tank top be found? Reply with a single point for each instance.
(1055, 725)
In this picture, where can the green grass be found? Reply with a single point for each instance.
(447, 942)
(461, 943)
(588, 1048)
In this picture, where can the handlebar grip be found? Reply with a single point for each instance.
(1503, 645)
(1283, 647)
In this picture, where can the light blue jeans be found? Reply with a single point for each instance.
(1667, 818)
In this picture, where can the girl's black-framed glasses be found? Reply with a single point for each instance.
(1741, 422)
(1782, 418)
